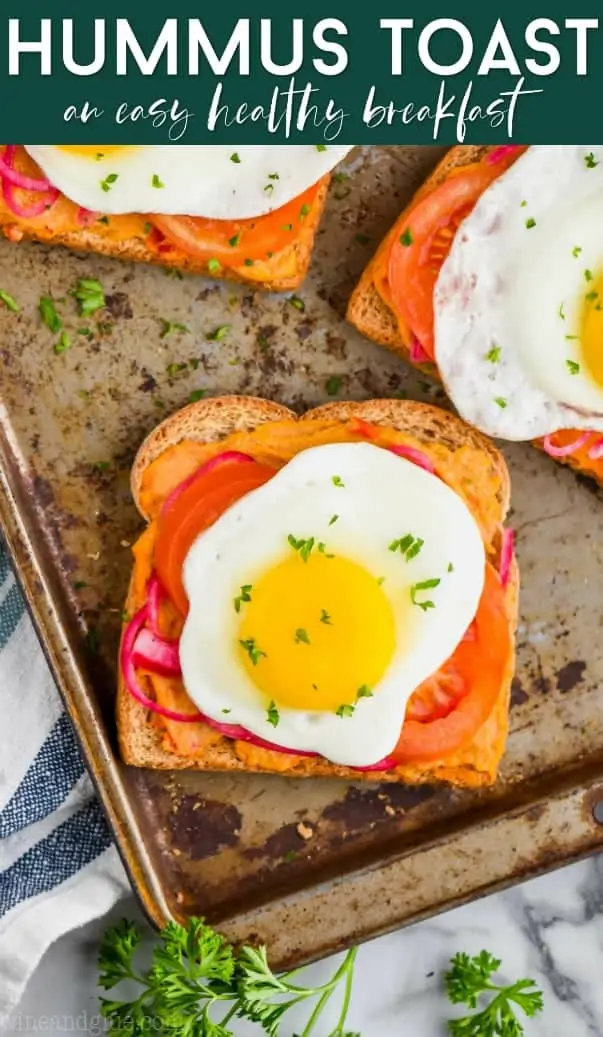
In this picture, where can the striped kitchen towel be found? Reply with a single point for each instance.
(58, 867)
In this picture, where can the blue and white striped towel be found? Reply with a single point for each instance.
(58, 868)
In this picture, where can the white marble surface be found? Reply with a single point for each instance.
(550, 929)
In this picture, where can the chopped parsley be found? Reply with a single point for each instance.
(325, 617)
(244, 596)
(573, 367)
(380, 580)
(450, 567)
(530, 222)
(493, 354)
(90, 295)
(588, 275)
(576, 251)
(235, 158)
(333, 385)
(561, 312)
(248, 262)
(301, 636)
(321, 147)
(196, 395)
(9, 302)
(304, 211)
(363, 239)
(49, 314)
(591, 296)
(297, 303)
(323, 550)
(305, 547)
(273, 176)
(287, 226)
(408, 545)
(346, 710)
(272, 714)
(269, 188)
(254, 653)
(571, 338)
(425, 585)
(218, 333)
(364, 692)
(156, 182)
(333, 520)
(214, 265)
(148, 227)
(63, 344)
(108, 182)
(167, 326)
(235, 240)
(590, 161)
(500, 402)
(172, 370)
(406, 237)
(227, 711)
(337, 481)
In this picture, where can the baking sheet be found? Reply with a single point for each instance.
(264, 856)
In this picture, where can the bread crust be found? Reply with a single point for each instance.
(371, 315)
(141, 740)
(86, 239)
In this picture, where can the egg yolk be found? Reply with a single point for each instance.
(591, 329)
(94, 151)
(316, 634)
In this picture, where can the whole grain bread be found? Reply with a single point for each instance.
(87, 239)
(141, 739)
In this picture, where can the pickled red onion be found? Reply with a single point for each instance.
(499, 153)
(384, 765)
(416, 456)
(596, 450)
(157, 654)
(8, 191)
(85, 217)
(20, 179)
(506, 555)
(154, 596)
(128, 669)
(233, 456)
(563, 451)
(416, 352)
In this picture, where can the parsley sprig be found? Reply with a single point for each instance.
(469, 978)
(195, 975)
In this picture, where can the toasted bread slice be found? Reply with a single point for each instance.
(124, 238)
(368, 310)
(142, 741)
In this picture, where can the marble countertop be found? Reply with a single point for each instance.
(550, 929)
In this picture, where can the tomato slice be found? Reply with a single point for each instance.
(448, 708)
(418, 252)
(193, 511)
(233, 242)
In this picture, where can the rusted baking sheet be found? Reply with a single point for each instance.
(265, 856)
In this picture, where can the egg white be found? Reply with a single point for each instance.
(517, 289)
(198, 180)
(384, 497)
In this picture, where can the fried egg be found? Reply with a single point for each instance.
(320, 601)
(519, 300)
(222, 183)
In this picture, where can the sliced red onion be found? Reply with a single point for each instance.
(506, 555)
(20, 179)
(564, 451)
(500, 153)
(417, 353)
(157, 654)
(596, 450)
(416, 456)
(128, 669)
(8, 192)
(229, 456)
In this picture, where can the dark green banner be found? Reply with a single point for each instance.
(414, 73)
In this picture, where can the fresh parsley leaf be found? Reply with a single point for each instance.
(561, 312)
(576, 251)
(63, 344)
(108, 182)
(49, 315)
(425, 585)
(333, 385)
(297, 303)
(364, 692)
(333, 520)
(450, 567)
(573, 367)
(9, 301)
(406, 237)
(243, 597)
(301, 636)
(90, 296)
(196, 395)
(156, 182)
(321, 147)
(346, 710)
(469, 979)
(235, 158)
(408, 546)
(254, 653)
(322, 547)
(167, 326)
(325, 617)
(305, 547)
(500, 402)
(214, 266)
(530, 222)
(173, 370)
(590, 161)
(337, 481)
(272, 714)
(218, 333)
(493, 355)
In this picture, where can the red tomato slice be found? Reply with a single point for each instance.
(449, 707)
(417, 254)
(233, 242)
(197, 508)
